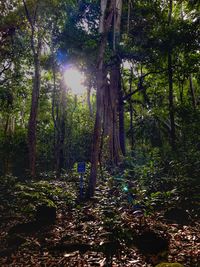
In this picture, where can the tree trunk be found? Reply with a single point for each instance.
(96, 137)
(113, 104)
(114, 90)
(59, 117)
(180, 88)
(36, 45)
(33, 114)
(102, 17)
(128, 16)
(105, 20)
(54, 110)
(170, 80)
(7, 155)
(171, 100)
(121, 119)
(131, 111)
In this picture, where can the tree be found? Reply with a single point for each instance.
(39, 19)
(107, 12)
(36, 46)
(114, 108)
(170, 76)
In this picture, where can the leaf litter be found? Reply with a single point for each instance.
(103, 231)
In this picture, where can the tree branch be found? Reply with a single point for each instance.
(141, 78)
(5, 68)
(28, 15)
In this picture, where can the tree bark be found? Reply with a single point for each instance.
(105, 20)
(96, 138)
(113, 108)
(102, 17)
(36, 45)
(114, 93)
(34, 111)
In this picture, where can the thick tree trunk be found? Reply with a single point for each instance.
(33, 114)
(113, 123)
(105, 20)
(102, 17)
(115, 88)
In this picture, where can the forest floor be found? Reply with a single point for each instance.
(104, 231)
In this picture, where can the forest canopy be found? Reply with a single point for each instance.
(143, 59)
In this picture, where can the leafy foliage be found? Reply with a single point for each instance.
(25, 197)
(154, 177)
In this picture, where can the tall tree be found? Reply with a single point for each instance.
(40, 17)
(105, 24)
(170, 77)
(115, 130)
(36, 46)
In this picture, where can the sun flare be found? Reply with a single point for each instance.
(74, 80)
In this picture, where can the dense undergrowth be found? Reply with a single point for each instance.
(155, 182)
